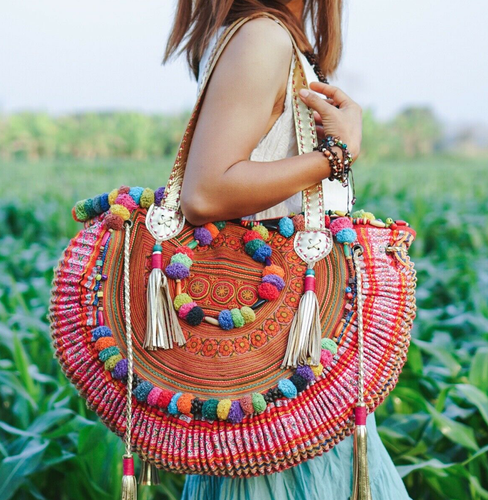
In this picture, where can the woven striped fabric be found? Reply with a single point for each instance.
(215, 363)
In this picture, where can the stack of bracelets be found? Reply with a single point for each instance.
(339, 168)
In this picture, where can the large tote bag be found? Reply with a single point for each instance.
(238, 393)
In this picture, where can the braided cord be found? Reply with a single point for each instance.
(128, 326)
(360, 302)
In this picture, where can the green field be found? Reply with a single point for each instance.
(434, 424)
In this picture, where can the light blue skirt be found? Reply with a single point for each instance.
(327, 477)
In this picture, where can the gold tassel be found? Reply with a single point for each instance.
(162, 326)
(305, 331)
(149, 475)
(129, 484)
(361, 489)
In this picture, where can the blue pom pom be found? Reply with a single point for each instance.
(104, 204)
(97, 205)
(225, 320)
(346, 236)
(135, 193)
(142, 390)
(172, 407)
(286, 227)
(100, 331)
(107, 353)
(261, 253)
(177, 271)
(288, 388)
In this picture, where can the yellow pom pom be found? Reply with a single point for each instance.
(147, 198)
(113, 196)
(182, 298)
(262, 231)
(317, 370)
(369, 216)
(223, 408)
(248, 314)
(121, 211)
(111, 362)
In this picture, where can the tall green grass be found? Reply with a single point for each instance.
(434, 424)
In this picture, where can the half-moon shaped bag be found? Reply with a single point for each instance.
(238, 348)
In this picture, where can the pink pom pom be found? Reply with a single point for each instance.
(251, 235)
(246, 405)
(124, 189)
(113, 221)
(326, 357)
(299, 222)
(187, 251)
(268, 291)
(126, 201)
(185, 309)
(340, 224)
(153, 396)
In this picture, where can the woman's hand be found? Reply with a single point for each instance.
(344, 121)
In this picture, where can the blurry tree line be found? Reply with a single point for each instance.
(415, 132)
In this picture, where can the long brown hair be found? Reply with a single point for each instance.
(197, 21)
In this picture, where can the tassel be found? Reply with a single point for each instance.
(305, 331)
(361, 489)
(162, 328)
(149, 475)
(129, 484)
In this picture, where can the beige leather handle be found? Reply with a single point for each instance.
(304, 126)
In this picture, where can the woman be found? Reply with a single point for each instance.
(245, 132)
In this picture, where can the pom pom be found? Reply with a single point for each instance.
(135, 193)
(236, 414)
(111, 362)
(126, 201)
(253, 245)
(246, 405)
(185, 250)
(158, 196)
(262, 253)
(147, 198)
(346, 236)
(299, 222)
(182, 298)
(250, 236)
(326, 357)
(90, 211)
(212, 229)
(184, 403)
(299, 382)
(339, 224)
(258, 402)
(153, 396)
(124, 189)
(165, 399)
(73, 214)
(262, 231)
(177, 271)
(101, 331)
(223, 408)
(358, 214)
(306, 372)
(209, 409)
(185, 309)
(195, 316)
(114, 222)
(142, 390)
(106, 353)
(330, 345)
(120, 369)
(287, 388)
(104, 204)
(248, 314)
(121, 211)
(220, 225)
(113, 196)
(182, 259)
(81, 215)
(97, 205)
(237, 318)
(286, 227)
(274, 269)
(104, 342)
(225, 320)
(173, 404)
(267, 291)
(275, 280)
(203, 236)
(317, 370)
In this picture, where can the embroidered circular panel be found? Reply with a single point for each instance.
(215, 362)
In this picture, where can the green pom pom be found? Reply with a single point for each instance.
(147, 198)
(253, 245)
(237, 318)
(248, 314)
(182, 298)
(111, 362)
(182, 259)
(358, 214)
(80, 212)
(219, 225)
(209, 409)
(258, 402)
(330, 345)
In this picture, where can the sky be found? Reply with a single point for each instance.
(62, 56)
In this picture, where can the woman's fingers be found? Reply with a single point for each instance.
(312, 100)
(335, 93)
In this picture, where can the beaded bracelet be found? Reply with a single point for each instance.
(340, 168)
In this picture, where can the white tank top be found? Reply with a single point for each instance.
(280, 142)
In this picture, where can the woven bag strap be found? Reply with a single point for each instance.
(312, 204)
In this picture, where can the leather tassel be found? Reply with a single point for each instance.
(129, 484)
(361, 489)
(162, 327)
(149, 475)
(305, 331)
